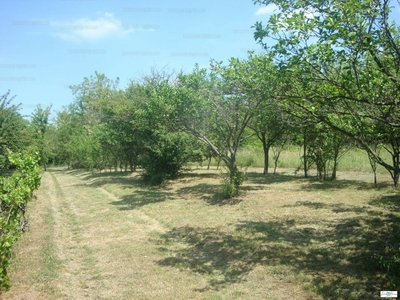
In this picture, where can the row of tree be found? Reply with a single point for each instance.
(340, 62)
(330, 82)
(18, 134)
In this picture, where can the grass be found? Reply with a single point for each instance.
(305, 227)
(283, 237)
(354, 160)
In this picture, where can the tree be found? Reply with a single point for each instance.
(105, 115)
(14, 134)
(343, 62)
(258, 79)
(69, 128)
(213, 107)
(40, 124)
(167, 148)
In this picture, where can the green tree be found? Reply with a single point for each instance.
(167, 148)
(257, 78)
(342, 60)
(69, 126)
(14, 133)
(40, 124)
(213, 107)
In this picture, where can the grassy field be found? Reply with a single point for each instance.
(108, 236)
(353, 160)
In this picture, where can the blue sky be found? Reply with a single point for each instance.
(49, 45)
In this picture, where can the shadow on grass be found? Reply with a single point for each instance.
(145, 195)
(212, 193)
(342, 257)
(316, 184)
(259, 178)
(336, 208)
(141, 198)
(310, 183)
(390, 202)
(123, 179)
(189, 174)
(209, 193)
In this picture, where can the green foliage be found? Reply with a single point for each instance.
(389, 264)
(231, 181)
(15, 191)
(40, 125)
(167, 153)
(340, 63)
(13, 130)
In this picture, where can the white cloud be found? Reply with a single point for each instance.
(266, 10)
(91, 29)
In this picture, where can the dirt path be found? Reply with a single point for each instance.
(96, 250)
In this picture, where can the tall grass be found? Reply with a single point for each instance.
(354, 160)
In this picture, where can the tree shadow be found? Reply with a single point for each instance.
(214, 175)
(307, 203)
(342, 257)
(123, 179)
(259, 178)
(312, 183)
(141, 198)
(390, 202)
(316, 184)
(336, 208)
(145, 195)
(209, 193)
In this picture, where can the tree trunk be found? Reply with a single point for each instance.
(266, 159)
(266, 153)
(335, 164)
(276, 159)
(333, 176)
(396, 164)
(131, 165)
(305, 160)
(396, 178)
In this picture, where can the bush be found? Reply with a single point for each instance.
(166, 155)
(15, 191)
(231, 182)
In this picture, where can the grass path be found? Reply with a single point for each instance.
(88, 249)
(105, 236)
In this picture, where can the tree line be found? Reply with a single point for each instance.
(329, 82)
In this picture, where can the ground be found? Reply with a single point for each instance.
(108, 236)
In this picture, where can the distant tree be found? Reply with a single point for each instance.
(40, 125)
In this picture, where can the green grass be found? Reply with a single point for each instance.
(49, 258)
(354, 160)
(283, 237)
(306, 238)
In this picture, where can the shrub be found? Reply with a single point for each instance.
(15, 191)
(166, 155)
(231, 182)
